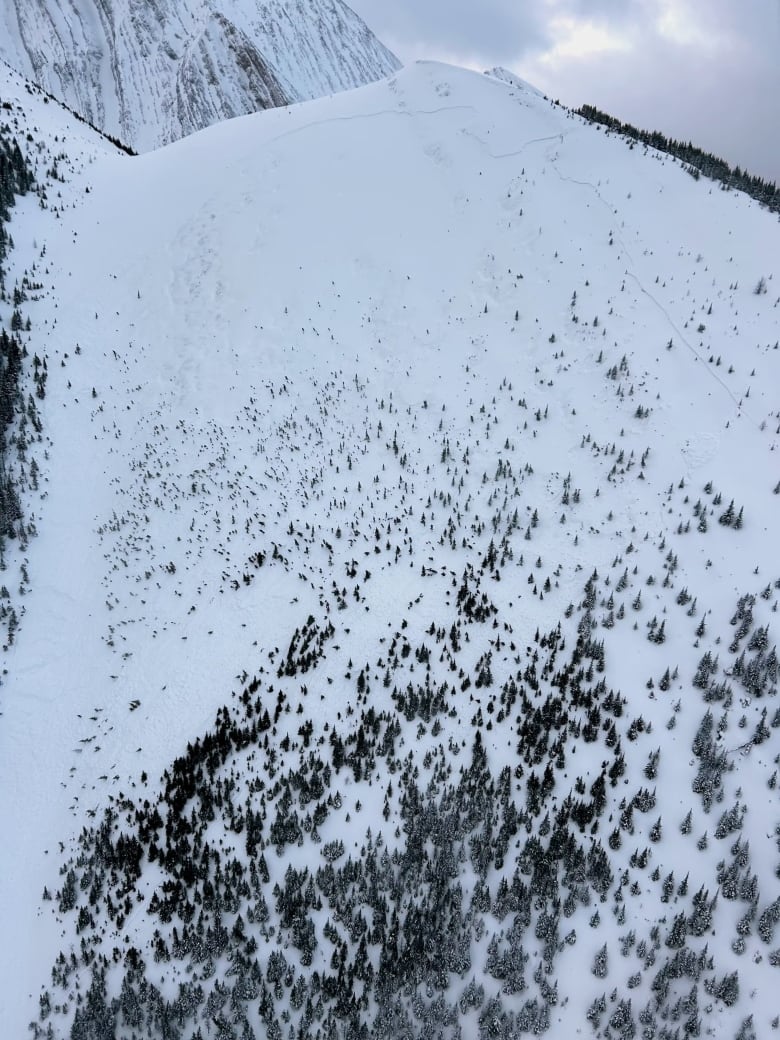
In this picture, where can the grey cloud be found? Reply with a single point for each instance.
(491, 30)
(725, 99)
(494, 28)
(733, 112)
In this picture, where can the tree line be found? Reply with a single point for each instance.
(695, 159)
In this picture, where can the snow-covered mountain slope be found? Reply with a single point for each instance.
(397, 655)
(150, 73)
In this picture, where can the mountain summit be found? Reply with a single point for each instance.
(152, 72)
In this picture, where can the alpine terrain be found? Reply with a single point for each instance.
(389, 499)
(148, 73)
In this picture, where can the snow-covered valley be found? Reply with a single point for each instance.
(395, 656)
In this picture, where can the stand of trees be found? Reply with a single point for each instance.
(15, 179)
(697, 161)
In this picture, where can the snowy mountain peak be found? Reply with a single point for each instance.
(149, 73)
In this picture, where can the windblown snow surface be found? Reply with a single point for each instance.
(151, 71)
(396, 653)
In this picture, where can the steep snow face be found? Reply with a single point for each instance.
(151, 71)
(511, 80)
(404, 456)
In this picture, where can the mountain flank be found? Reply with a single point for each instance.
(149, 73)
(395, 650)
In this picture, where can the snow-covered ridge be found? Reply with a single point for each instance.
(151, 72)
(511, 80)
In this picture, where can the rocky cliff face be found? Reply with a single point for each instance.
(151, 71)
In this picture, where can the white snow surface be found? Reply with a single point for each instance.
(238, 325)
(150, 73)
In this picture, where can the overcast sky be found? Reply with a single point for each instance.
(704, 70)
